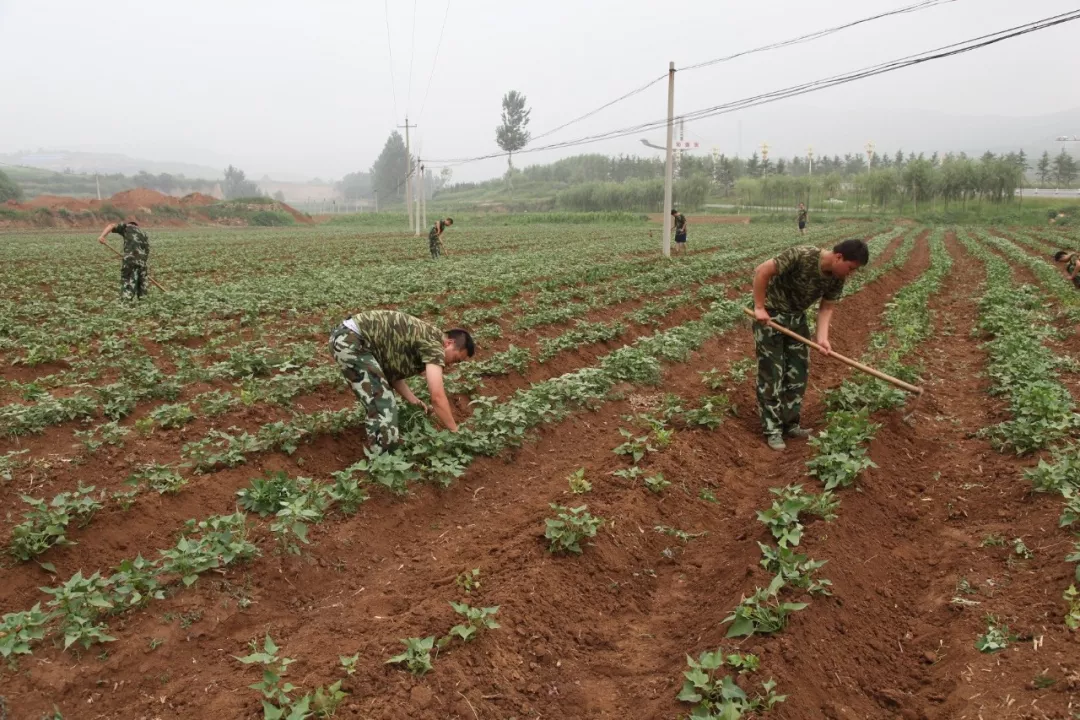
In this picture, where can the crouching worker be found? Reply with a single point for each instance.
(1071, 265)
(784, 288)
(378, 349)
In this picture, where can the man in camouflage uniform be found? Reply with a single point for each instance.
(378, 349)
(435, 244)
(802, 218)
(1071, 264)
(680, 231)
(133, 271)
(784, 288)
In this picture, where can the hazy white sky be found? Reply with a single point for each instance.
(302, 89)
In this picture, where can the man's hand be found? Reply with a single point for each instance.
(761, 315)
(825, 345)
(101, 239)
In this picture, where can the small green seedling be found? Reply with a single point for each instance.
(997, 636)
(578, 484)
(569, 527)
(417, 655)
(468, 580)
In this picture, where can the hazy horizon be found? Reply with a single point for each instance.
(301, 93)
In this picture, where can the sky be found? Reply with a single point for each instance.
(306, 89)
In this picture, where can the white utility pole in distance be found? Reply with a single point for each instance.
(666, 246)
(408, 174)
(423, 197)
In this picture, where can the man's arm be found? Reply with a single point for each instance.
(762, 275)
(440, 404)
(825, 311)
(104, 233)
(406, 392)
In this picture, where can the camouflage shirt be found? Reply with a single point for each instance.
(1070, 262)
(799, 282)
(436, 231)
(802, 215)
(402, 344)
(680, 223)
(136, 242)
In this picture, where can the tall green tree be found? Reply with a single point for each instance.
(918, 178)
(9, 189)
(237, 185)
(355, 186)
(1065, 169)
(388, 172)
(513, 134)
(1043, 167)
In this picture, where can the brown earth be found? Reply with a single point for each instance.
(140, 202)
(604, 635)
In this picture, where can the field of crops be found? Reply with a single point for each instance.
(191, 527)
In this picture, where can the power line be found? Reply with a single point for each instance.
(412, 57)
(919, 58)
(922, 5)
(605, 106)
(390, 47)
(434, 63)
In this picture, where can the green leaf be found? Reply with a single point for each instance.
(741, 626)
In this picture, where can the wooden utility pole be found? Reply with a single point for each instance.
(408, 174)
(666, 245)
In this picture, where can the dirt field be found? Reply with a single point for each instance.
(923, 548)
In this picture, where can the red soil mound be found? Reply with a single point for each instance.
(197, 199)
(132, 200)
(56, 202)
(297, 215)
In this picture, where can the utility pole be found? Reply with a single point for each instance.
(97, 181)
(419, 193)
(376, 201)
(810, 157)
(408, 174)
(666, 246)
(423, 196)
(869, 154)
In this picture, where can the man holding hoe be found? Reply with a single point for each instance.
(378, 349)
(784, 287)
(133, 270)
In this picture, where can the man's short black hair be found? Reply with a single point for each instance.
(853, 250)
(462, 340)
(1059, 255)
(450, 221)
(674, 211)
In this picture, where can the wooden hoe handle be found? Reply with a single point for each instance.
(117, 254)
(846, 360)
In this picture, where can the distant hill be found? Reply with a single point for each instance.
(106, 163)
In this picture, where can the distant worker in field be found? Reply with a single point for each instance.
(378, 349)
(435, 243)
(133, 269)
(1071, 265)
(802, 218)
(784, 288)
(680, 231)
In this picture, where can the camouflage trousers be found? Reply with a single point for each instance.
(368, 383)
(783, 366)
(435, 246)
(132, 278)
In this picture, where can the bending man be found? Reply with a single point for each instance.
(133, 270)
(784, 288)
(378, 349)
